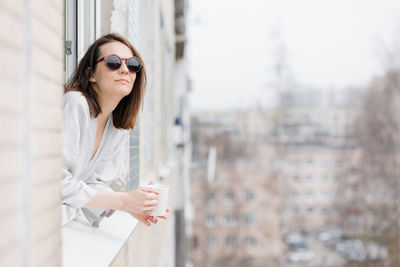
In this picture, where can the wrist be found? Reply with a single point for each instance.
(123, 200)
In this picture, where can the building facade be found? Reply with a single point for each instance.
(294, 168)
(236, 203)
(319, 168)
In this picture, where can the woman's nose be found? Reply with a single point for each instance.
(124, 68)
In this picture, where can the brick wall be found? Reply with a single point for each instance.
(31, 46)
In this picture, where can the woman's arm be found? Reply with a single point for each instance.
(140, 201)
(108, 200)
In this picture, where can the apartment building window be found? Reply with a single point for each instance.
(230, 241)
(249, 241)
(324, 163)
(296, 179)
(249, 196)
(85, 21)
(211, 197)
(295, 211)
(354, 170)
(324, 211)
(310, 210)
(338, 178)
(250, 218)
(230, 197)
(324, 196)
(354, 202)
(310, 163)
(231, 219)
(325, 178)
(295, 163)
(309, 178)
(83, 25)
(310, 196)
(338, 210)
(339, 163)
(339, 195)
(281, 163)
(211, 220)
(295, 196)
(212, 241)
(354, 187)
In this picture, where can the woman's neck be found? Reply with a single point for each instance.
(107, 104)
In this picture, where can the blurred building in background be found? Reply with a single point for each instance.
(235, 190)
(319, 157)
(42, 46)
(294, 168)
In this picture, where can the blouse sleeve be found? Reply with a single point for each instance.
(74, 192)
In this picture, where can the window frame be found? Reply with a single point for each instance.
(115, 230)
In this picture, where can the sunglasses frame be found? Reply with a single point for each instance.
(121, 59)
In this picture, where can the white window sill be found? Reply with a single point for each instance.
(84, 245)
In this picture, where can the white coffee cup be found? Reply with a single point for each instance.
(162, 201)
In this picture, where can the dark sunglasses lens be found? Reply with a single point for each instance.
(133, 64)
(113, 62)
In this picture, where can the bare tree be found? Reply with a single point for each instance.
(378, 135)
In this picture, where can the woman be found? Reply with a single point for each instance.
(100, 104)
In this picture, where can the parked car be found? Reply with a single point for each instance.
(293, 237)
(330, 235)
(356, 250)
(352, 249)
(375, 251)
(300, 255)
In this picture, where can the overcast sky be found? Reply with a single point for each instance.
(328, 44)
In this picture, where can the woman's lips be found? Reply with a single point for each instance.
(123, 81)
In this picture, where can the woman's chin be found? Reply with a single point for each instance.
(123, 90)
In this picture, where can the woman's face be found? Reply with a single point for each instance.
(113, 84)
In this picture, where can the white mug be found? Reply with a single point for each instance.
(162, 201)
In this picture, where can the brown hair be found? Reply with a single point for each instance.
(126, 112)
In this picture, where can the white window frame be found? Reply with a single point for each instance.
(68, 213)
(82, 12)
(70, 35)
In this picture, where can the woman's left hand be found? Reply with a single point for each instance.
(148, 219)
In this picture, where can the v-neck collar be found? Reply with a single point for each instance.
(100, 147)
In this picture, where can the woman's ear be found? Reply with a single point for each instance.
(89, 73)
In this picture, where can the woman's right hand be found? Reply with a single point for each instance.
(141, 201)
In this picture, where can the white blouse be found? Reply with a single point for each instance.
(81, 178)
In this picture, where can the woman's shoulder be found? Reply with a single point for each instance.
(75, 100)
(73, 96)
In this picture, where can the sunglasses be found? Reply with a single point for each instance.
(114, 62)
